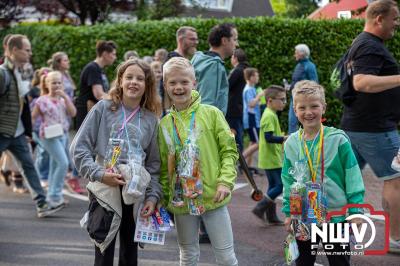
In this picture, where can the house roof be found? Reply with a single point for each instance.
(330, 11)
(240, 8)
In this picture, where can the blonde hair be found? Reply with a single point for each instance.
(155, 64)
(55, 61)
(44, 90)
(309, 88)
(150, 100)
(38, 74)
(177, 63)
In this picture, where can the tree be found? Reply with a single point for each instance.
(159, 9)
(279, 7)
(9, 10)
(300, 8)
(95, 10)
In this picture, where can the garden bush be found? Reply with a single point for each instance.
(268, 42)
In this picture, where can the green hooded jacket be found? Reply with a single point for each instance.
(342, 182)
(218, 153)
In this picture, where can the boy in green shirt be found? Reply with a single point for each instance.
(270, 153)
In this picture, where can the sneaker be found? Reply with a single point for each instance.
(5, 177)
(74, 186)
(44, 184)
(44, 209)
(19, 185)
(394, 246)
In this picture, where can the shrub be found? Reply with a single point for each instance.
(268, 42)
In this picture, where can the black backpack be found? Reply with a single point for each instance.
(6, 78)
(341, 79)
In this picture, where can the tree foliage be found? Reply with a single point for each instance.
(300, 8)
(159, 9)
(268, 42)
(95, 11)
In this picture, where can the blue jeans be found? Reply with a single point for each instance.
(293, 122)
(58, 168)
(274, 183)
(42, 161)
(219, 228)
(19, 148)
(376, 149)
(236, 123)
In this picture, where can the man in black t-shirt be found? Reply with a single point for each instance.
(93, 81)
(234, 115)
(371, 120)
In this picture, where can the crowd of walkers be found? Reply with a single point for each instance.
(165, 113)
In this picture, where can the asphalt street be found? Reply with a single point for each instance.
(59, 240)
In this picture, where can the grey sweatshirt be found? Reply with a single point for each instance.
(89, 147)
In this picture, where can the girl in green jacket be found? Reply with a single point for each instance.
(198, 158)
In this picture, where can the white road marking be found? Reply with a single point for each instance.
(239, 185)
(75, 196)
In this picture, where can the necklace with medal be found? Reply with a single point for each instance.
(116, 142)
(315, 197)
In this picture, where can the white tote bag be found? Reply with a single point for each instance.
(53, 131)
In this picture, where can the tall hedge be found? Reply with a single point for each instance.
(268, 42)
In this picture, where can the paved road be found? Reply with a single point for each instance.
(58, 240)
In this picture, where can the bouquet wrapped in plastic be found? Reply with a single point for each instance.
(297, 190)
(177, 200)
(189, 174)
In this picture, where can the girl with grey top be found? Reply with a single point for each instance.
(118, 131)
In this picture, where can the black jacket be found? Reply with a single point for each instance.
(236, 86)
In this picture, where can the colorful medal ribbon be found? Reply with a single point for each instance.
(316, 199)
(116, 144)
(126, 120)
(320, 156)
(188, 180)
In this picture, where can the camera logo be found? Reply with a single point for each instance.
(340, 232)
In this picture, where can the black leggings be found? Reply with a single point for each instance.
(128, 249)
(308, 256)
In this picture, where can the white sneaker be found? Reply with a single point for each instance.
(394, 246)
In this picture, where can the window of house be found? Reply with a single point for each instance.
(344, 14)
(224, 5)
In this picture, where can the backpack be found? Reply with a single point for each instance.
(341, 79)
(7, 80)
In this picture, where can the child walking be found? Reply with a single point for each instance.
(330, 169)
(270, 153)
(54, 106)
(120, 133)
(198, 156)
(42, 161)
(251, 111)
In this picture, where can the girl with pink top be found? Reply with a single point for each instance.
(59, 61)
(54, 107)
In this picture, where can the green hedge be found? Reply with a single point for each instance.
(268, 42)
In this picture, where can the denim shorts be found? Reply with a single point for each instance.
(376, 149)
(253, 130)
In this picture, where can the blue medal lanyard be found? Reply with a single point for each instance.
(177, 136)
(125, 121)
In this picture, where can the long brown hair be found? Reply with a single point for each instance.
(150, 100)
